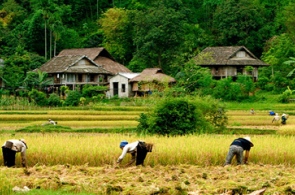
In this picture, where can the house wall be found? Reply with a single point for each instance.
(227, 71)
(121, 80)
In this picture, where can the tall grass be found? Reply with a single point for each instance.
(103, 149)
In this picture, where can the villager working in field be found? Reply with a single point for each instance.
(284, 118)
(138, 151)
(52, 122)
(272, 113)
(9, 150)
(252, 111)
(237, 148)
(276, 118)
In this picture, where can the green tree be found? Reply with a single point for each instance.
(194, 78)
(238, 22)
(173, 117)
(159, 34)
(117, 30)
(37, 80)
(277, 51)
(290, 62)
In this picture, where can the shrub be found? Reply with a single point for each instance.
(173, 117)
(54, 100)
(90, 91)
(38, 97)
(73, 98)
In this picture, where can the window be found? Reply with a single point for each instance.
(241, 54)
(123, 88)
(80, 78)
(70, 78)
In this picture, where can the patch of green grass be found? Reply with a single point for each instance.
(58, 128)
(240, 131)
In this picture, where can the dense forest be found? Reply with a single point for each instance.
(151, 33)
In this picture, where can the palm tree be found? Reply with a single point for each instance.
(290, 62)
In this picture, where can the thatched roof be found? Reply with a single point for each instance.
(227, 56)
(66, 64)
(100, 56)
(153, 74)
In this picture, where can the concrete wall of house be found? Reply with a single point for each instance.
(124, 88)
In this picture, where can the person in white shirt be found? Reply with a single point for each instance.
(52, 122)
(138, 151)
(9, 150)
(276, 118)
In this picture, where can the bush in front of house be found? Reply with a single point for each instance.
(54, 100)
(90, 90)
(38, 97)
(73, 98)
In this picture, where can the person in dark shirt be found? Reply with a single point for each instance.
(237, 148)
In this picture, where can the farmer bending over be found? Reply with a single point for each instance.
(9, 150)
(284, 118)
(138, 151)
(276, 118)
(237, 148)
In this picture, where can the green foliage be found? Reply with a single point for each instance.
(54, 100)
(214, 112)
(37, 80)
(250, 20)
(173, 117)
(279, 49)
(228, 90)
(195, 78)
(90, 90)
(38, 97)
(284, 98)
(116, 24)
(181, 116)
(73, 98)
(159, 34)
(262, 83)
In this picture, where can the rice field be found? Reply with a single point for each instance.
(86, 162)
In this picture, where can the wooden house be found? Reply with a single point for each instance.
(149, 80)
(72, 70)
(100, 56)
(230, 62)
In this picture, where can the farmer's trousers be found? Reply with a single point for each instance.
(234, 151)
(8, 156)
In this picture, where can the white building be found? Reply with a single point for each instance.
(120, 86)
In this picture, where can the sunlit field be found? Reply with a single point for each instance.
(71, 163)
(103, 149)
(86, 162)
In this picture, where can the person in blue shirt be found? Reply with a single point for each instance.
(237, 148)
(272, 113)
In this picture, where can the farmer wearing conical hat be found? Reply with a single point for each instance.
(237, 148)
(9, 150)
(137, 149)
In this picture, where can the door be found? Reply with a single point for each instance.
(115, 88)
